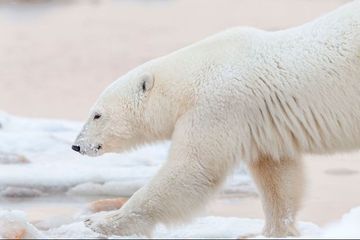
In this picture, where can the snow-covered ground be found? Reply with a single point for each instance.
(13, 224)
(205, 227)
(36, 161)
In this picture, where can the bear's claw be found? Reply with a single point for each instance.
(99, 226)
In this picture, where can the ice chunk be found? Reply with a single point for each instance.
(20, 192)
(13, 225)
(106, 204)
(12, 158)
(112, 188)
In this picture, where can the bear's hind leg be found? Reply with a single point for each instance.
(280, 184)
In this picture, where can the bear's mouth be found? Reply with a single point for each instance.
(96, 150)
(92, 153)
(91, 150)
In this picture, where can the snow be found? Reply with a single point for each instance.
(347, 227)
(52, 167)
(13, 223)
(204, 227)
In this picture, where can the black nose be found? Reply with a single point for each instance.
(75, 148)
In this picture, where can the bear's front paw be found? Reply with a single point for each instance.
(101, 224)
(119, 224)
(281, 231)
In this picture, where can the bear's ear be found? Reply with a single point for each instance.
(147, 82)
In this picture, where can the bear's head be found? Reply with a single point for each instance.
(133, 110)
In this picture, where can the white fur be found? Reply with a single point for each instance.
(243, 94)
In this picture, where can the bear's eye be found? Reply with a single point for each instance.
(144, 86)
(97, 116)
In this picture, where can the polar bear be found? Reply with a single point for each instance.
(263, 98)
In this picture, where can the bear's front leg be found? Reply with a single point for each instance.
(195, 169)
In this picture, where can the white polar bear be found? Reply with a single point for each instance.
(263, 98)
